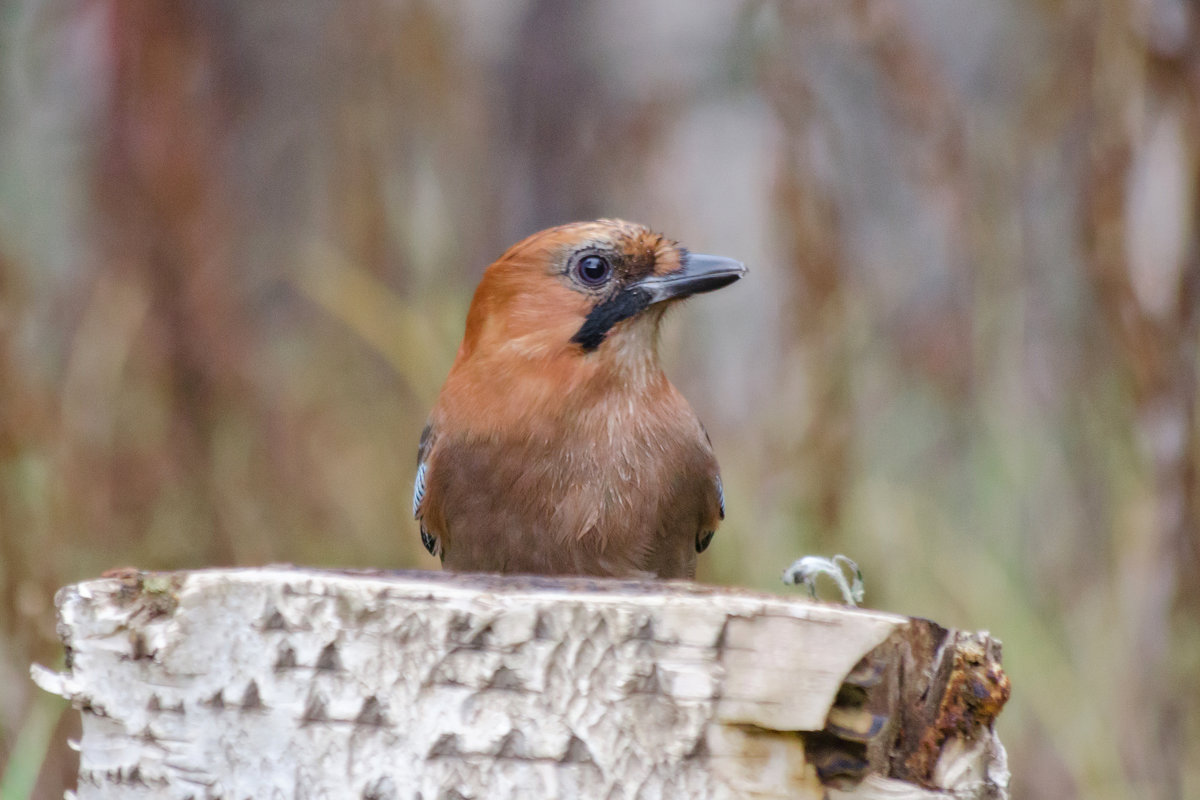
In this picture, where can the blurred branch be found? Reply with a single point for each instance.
(163, 210)
(809, 226)
(1155, 340)
(391, 327)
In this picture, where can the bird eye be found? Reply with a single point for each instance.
(593, 270)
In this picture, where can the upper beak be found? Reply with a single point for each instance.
(699, 273)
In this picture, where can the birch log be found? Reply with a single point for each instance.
(289, 683)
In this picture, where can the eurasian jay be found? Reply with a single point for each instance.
(557, 445)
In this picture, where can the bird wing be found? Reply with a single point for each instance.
(720, 495)
(424, 451)
(704, 536)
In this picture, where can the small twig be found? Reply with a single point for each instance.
(806, 569)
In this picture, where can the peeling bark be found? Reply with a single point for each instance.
(295, 683)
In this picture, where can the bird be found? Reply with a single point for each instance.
(557, 445)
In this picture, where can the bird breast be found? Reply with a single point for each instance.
(614, 490)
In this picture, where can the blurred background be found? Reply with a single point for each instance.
(238, 241)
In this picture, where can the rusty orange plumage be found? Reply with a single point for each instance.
(557, 445)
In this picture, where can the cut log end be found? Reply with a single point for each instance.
(288, 682)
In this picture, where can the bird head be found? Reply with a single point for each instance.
(587, 291)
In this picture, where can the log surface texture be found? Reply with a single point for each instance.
(290, 683)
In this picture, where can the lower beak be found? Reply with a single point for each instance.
(699, 273)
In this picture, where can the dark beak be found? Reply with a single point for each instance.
(699, 273)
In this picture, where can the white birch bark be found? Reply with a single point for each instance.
(289, 683)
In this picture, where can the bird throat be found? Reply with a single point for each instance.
(621, 306)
